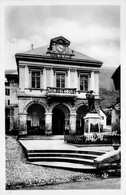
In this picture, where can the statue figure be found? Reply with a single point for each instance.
(90, 97)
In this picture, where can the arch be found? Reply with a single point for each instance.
(81, 112)
(79, 105)
(35, 118)
(60, 118)
(35, 102)
(64, 104)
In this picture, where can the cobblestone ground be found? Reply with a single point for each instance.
(20, 173)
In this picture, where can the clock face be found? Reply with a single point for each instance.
(60, 48)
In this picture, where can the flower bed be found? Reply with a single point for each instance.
(116, 135)
(91, 138)
(74, 139)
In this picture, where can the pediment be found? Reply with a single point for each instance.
(59, 47)
(60, 40)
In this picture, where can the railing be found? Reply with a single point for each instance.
(55, 90)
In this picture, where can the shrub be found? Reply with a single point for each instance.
(107, 138)
(116, 128)
(75, 139)
(89, 139)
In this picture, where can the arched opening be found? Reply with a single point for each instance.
(58, 122)
(60, 119)
(81, 112)
(36, 119)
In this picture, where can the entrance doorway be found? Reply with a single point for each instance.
(81, 112)
(58, 122)
(36, 120)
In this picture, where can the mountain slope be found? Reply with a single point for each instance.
(105, 80)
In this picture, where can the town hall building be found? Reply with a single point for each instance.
(53, 82)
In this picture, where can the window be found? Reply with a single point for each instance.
(83, 82)
(7, 92)
(36, 80)
(60, 80)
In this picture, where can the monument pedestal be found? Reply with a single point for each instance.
(92, 125)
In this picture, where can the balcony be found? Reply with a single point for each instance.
(61, 93)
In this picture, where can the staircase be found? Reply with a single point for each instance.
(54, 152)
(67, 159)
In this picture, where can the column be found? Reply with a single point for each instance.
(73, 123)
(87, 125)
(48, 123)
(26, 77)
(92, 81)
(22, 123)
(76, 80)
(44, 79)
(41, 79)
(68, 80)
(67, 125)
(72, 78)
(52, 78)
(96, 75)
(22, 78)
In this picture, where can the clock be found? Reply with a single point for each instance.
(60, 48)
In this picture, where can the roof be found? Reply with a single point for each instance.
(42, 51)
(103, 111)
(60, 38)
(11, 75)
(116, 78)
(116, 73)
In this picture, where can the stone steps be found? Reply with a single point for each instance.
(67, 166)
(72, 155)
(66, 151)
(85, 158)
(63, 159)
(56, 153)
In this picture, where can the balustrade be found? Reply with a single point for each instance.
(54, 90)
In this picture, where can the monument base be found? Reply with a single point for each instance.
(92, 129)
(92, 123)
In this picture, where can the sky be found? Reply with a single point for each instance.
(93, 30)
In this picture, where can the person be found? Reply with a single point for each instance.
(91, 99)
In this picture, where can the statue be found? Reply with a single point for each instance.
(90, 97)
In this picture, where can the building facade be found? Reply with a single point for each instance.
(7, 105)
(11, 100)
(53, 82)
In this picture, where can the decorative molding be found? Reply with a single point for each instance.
(72, 70)
(83, 72)
(22, 66)
(35, 69)
(60, 70)
(38, 89)
(48, 68)
(59, 48)
(96, 71)
(60, 55)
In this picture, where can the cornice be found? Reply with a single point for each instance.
(49, 59)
